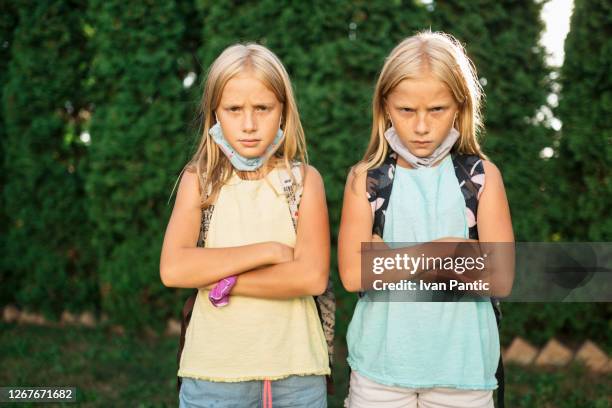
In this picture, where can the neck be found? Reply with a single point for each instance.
(259, 173)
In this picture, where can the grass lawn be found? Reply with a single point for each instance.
(113, 371)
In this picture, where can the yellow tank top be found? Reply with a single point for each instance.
(253, 338)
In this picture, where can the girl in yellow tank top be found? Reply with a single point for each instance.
(256, 339)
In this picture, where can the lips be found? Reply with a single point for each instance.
(421, 143)
(249, 142)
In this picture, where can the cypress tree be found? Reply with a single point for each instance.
(46, 238)
(138, 145)
(585, 107)
(8, 22)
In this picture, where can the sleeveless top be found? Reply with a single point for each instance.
(253, 338)
(424, 344)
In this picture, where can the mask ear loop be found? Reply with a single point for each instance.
(387, 114)
(280, 122)
(389, 119)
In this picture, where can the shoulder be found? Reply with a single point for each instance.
(311, 176)
(491, 170)
(493, 176)
(358, 173)
(188, 194)
(356, 180)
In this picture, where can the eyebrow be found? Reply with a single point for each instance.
(269, 103)
(433, 105)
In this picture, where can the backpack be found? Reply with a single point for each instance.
(469, 171)
(326, 303)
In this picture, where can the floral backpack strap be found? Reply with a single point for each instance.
(470, 173)
(293, 190)
(326, 303)
(379, 183)
(190, 302)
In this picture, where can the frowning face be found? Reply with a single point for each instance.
(250, 114)
(422, 111)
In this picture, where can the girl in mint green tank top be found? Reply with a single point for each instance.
(426, 109)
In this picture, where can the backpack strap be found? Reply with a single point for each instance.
(326, 303)
(293, 188)
(469, 170)
(379, 183)
(470, 174)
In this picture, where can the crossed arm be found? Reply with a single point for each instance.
(266, 269)
(494, 226)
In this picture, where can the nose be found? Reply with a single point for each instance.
(248, 123)
(422, 128)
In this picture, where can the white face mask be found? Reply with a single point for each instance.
(396, 144)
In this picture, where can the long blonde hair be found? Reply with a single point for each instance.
(212, 167)
(445, 57)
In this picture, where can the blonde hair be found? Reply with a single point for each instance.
(212, 167)
(444, 56)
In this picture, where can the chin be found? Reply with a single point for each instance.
(420, 152)
(250, 153)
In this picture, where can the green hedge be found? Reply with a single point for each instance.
(48, 262)
(585, 107)
(85, 220)
(138, 145)
(8, 22)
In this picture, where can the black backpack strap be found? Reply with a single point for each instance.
(379, 183)
(470, 174)
(499, 373)
(469, 170)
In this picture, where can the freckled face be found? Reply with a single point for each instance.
(249, 113)
(422, 111)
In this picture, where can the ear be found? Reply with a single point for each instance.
(385, 109)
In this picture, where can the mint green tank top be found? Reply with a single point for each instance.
(424, 344)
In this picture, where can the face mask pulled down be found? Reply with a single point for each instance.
(240, 162)
(417, 162)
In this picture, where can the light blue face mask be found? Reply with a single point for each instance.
(238, 161)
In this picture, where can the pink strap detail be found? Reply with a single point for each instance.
(267, 394)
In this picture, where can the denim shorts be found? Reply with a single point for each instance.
(309, 391)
